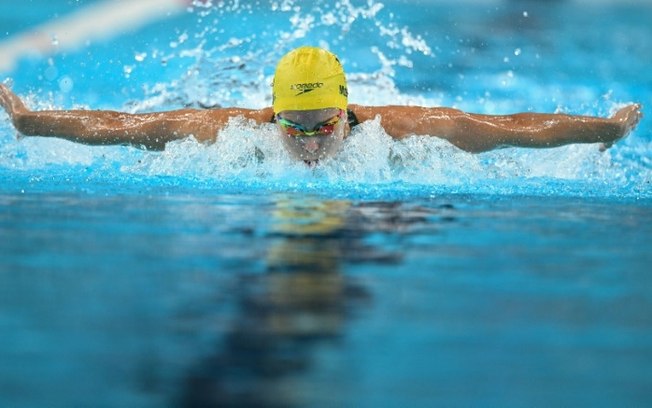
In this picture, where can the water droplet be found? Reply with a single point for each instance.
(517, 52)
(65, 84)
(140, 57)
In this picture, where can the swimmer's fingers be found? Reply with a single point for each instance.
(11, 102)
(5, 97)
(627, 117)
(13, 105)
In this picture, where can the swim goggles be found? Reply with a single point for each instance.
(324, 128)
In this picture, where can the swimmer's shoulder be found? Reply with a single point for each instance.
(364, 113)
(400, 121)
(357, 114)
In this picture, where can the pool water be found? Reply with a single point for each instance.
(397, 274)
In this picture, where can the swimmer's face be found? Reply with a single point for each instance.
(312, 135)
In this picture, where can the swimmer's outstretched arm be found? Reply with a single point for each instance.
(148, 130)
(479, 133)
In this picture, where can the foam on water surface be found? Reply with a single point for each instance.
(215, 57)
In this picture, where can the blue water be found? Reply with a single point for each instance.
(398, 274)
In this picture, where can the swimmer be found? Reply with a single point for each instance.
(311, 112)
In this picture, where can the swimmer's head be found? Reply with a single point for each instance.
(312, 135)
(309, 78)
(310, 102)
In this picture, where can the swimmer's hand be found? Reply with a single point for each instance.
(626, 118)
(11, 103)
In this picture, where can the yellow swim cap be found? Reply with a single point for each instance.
(309, 78)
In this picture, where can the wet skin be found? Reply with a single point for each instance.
(316, 147)
(471, 132)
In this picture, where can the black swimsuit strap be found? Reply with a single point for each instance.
(352, 119)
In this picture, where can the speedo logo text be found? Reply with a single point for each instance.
(305, 88)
